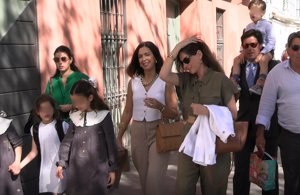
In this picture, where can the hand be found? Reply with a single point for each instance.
(153, 103)
(120, 143)
(15, 168)
(182, 44)
(199, 109)
(239, 59)
(260, 141)
(258, 58)
(111, 178)
(66, 107)
(59, 172)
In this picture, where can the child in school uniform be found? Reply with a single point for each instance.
(89, 150)
(47, 133)
(257, 9)
(10, 157)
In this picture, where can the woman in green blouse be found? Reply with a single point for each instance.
(60, 84)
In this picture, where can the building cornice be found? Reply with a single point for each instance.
(284, 19)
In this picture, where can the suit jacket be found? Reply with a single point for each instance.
(249, 103)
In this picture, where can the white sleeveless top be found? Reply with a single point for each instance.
(157, 91)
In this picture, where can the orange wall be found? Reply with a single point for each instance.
(74, 23)
(146, 21)
(77, 24)
(203, 15)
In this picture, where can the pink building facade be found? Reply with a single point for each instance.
(78, 25)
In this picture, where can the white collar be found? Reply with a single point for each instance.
(92, 118)
(4, 124)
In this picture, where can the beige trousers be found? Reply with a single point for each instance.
(151, 166)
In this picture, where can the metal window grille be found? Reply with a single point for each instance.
(220, 36)
(114, 55)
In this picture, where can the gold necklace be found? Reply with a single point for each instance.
(150, 82)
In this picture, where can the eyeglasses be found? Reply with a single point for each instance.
(63, 59)
(253, 45)
(186, 60)
(295, 47)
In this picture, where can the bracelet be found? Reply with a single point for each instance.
(171, 56)
(163, 108)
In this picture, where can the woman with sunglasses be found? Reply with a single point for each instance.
(200, 80)
(60, 84)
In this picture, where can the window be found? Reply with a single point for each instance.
(220, 36)
(114, 54)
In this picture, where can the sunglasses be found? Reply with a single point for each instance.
(253, 45)
(295, 47)
(63, 59)
(186, 60)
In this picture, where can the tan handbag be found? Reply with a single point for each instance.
(169, 136)
(236, 143)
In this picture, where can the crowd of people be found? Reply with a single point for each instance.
(73, 133)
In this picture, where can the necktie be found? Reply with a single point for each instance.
(250, 78)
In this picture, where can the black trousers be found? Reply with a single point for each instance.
(289, 144)
(241, 183)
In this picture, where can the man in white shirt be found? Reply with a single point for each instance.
(282, 89)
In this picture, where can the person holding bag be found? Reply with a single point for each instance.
(200, 80)
(149, 99)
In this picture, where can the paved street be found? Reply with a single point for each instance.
(129, 183)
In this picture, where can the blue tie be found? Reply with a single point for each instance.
(250, 78)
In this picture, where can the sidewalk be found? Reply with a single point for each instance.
(129, 183)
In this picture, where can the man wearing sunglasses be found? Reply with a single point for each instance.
(282, 89)
(248, 107)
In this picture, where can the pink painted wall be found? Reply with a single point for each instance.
(74, 23)
(146, 21)
(77, 24)
(203, 15)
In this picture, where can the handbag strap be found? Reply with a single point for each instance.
(268, 155)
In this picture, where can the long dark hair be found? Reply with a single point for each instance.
(207, 56)
(134, 67)
(42, 99)
(69, 53)
(85, 88)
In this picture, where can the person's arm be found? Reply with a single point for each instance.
(270, 39)
(31, 155)
(266, 109)
(232, 107)
(65, 147)
(126, 115)
(267, 102)
(171, 109)
(16, 142)
(165, 72)
(15, 166)
(260, 138)
(110, 139)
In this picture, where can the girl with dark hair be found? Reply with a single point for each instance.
(89, 149)
(201, 82)
(149, 99)
(66, 75)
(47, 133)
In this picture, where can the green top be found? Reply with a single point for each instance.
(215, 89)
(60, 93)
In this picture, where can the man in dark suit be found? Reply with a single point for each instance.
(248, 107)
